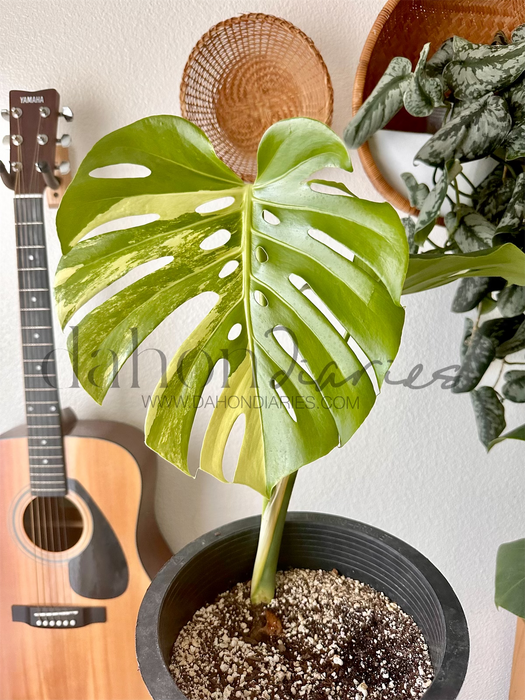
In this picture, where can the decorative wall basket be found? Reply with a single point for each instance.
(245, 74)
(401, 29)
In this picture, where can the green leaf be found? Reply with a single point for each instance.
(511, 300)
(514, 387)
(468, 328)
(431, 207)
(515, 96)
(473, 232)
(493, 194)
(417, 193)
(515, 343)
(514, 217)
(424, 93)
(479, 69)
(480, 352)
(516, 434)
(489, 414)
(273, 226)
(469, 293)
(383, 103)
(430, 270)
(437, 62)
(518, 35)
(510, 577)
(410, 229)
(515, 142)
(473, 133)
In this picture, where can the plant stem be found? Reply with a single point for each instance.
(467, 179)
(272, 524)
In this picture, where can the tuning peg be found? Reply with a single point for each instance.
(64, 141)
(67, 113)
(6, 140)
(64, 167)
(5, 114)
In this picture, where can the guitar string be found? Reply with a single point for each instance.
(47, 502)
(19, 185)
(41, 501)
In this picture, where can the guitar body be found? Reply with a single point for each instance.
(119, 549)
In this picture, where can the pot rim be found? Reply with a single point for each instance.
(150, 658)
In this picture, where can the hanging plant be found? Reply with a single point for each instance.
(482, 91)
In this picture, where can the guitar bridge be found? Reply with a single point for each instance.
(57, 617)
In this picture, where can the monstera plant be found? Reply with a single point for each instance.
(248, 243)
(480, 90)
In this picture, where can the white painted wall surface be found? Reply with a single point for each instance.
(416, 467)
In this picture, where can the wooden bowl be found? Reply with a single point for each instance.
(245, 74)
(401, 29)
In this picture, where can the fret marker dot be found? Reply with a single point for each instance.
(52, 408)
(45, 461)
(31, 257)
(36, 335)
(33, 299)
(30, 408)
(44, 442)
(39, 367)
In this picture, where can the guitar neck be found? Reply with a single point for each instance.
(46, 452)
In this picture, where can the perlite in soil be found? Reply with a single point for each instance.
(323, 637)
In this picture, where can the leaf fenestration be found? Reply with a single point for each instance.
(194, 195)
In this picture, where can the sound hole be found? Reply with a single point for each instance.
(53, 523)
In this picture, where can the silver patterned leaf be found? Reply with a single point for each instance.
(514, 387)
(511, 300)
(515, 97)
(417, 193)
(470, 292)
(468, 328)
(518, 35)
(473, 231)
(492, 195)
(431, 207)
(410, 229)
(489, 413)
(383, 103)
(479, 354)
(514, 217)
(515, 143)
(478, 69)
(437, 62)
(472, 134)
(516, 342)
(423, 93)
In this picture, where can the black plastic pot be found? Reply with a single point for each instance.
(214, 563)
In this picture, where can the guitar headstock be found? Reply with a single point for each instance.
(33, 121)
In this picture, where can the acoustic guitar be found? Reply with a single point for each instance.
(78, 537)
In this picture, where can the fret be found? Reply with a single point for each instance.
(45, 445)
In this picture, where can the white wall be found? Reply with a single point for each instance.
(416, 467)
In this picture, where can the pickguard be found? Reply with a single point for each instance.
(100, 571)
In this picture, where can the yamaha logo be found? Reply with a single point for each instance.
(32, 99)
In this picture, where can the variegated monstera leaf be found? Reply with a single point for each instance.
(273, 230)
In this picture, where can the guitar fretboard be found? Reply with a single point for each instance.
(46, 453)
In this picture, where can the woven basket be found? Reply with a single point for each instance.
(401, 29)
(245, 74)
